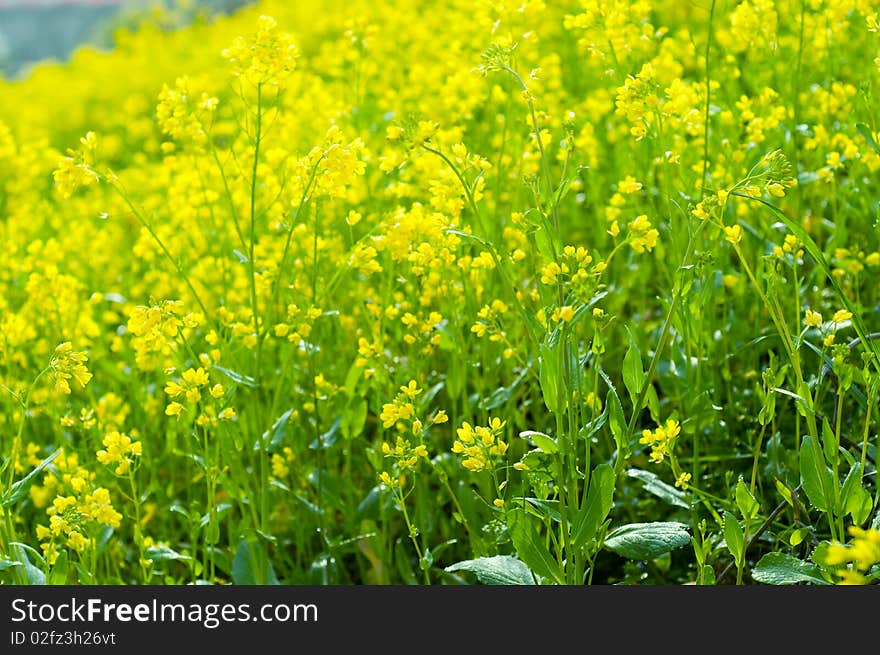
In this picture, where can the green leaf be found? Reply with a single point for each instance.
(645, 541)
(633, 373)
(830, 442)
(21, 487)
(733, 535)
(238, 378)
(785, 492)
(497, 570)
(595, 509)
(251, 565)
(783, 569)
(746, 503)
(654, 485)
(543, 441)
(33, 574)
(530, 547)
(617, 422)
(815, 476)
(274, 436)
(354, 418)
(164, 554)
(550, 375)
(58, 574)
(865, 131)
(855, 500)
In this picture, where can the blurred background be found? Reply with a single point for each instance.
(35, 30)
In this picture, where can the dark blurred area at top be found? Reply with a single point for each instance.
(32, 31)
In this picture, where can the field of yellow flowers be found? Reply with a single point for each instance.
(558, 292)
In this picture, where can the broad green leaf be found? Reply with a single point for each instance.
(600, 498)
(251, 565)
(33, 574)
(543, 441)
(815, 476)
(58, 574)
(20, 488)
(645, 541)
(785, 492)
(746, 503)
(497, 570)
(865, 131)
(633, 373)
(830, 442)
(548, 509)
(733, 535)
(353, 418)
(783, 569)
(550, 376)
(530, 547)
(654, 485)
(164, 554)
(855, 500)
(617, 422)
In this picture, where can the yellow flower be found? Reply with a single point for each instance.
(812, 319)
(733, 233)
(841, 316)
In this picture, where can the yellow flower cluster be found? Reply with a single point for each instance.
(661, 439)
(481, 446)
(119, 449)
(77, 508)
(268, 56)
(860, 554)
(68, 364)
(155, 330)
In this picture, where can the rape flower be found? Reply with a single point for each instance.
(841, 316)
(480, 446)
(119, 449)
(265, 57)
(69, 364)
(811, 318)
(733, 233)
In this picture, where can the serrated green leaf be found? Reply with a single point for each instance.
(645, 541)
(497, 570)
(783, 569)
